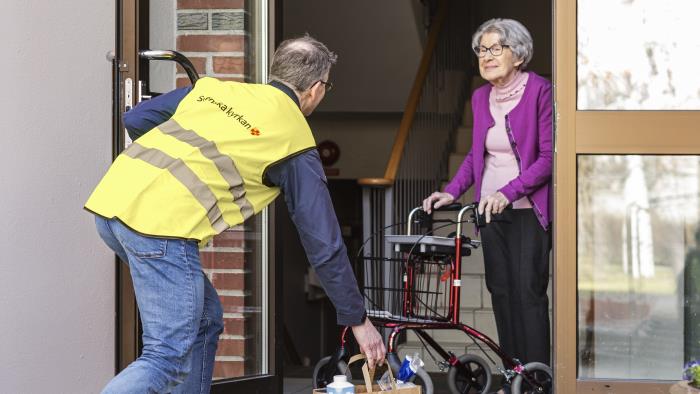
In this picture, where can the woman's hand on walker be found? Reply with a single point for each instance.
(437, 200)
(371, 343)
(492, 204)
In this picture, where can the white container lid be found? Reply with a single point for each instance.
(340, 379)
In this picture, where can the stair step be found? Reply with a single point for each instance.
(456, 160)
(467, 116)
(449, 94)
(477, 82)
(463, 142)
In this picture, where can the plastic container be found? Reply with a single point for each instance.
(340, 385)
(409, 366)
(385, 382)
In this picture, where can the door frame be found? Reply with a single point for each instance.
(126, 67)
(594, 132)
(127, 338)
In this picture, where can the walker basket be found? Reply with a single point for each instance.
(414, 286)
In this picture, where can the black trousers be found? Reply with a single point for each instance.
(516, 259)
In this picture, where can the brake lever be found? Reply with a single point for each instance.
(424, 220)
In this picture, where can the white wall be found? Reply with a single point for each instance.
(365, 141)
(56, 277)
(378, 46)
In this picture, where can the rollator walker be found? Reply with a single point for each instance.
(417, 288)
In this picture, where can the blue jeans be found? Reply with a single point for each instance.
(180, 313)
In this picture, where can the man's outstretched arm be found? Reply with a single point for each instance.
(303, 183)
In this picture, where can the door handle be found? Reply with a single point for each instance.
(167, 55)
(177, 57)
(128, 104)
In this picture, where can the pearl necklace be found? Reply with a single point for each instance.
(513, 92)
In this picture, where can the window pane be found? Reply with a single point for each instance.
(638, 54)
(638, 266)
(222, 40)
(233, 262)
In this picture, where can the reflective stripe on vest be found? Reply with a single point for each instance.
(189, 179)
(226, 166)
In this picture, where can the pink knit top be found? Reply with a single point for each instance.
(500, 165)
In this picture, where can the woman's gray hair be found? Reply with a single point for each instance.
(301, 62)
(511, 33)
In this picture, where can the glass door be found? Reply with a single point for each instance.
(229, 40)
(627, 173)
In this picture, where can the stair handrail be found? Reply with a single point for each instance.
(409, 113)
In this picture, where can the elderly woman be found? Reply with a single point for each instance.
(510, 163)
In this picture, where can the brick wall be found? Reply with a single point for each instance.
(227, 262)
(212, 34)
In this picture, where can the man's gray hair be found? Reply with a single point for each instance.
(301, 62)
(511, 33)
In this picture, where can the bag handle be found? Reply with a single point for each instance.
(369, 374)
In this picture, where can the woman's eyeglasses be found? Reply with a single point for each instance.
(496, 50)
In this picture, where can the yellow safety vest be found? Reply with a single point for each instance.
(202, 171)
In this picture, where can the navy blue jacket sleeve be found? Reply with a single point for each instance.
(150, 113)
(303, 183)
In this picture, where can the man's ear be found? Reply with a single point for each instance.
(308, 93)
(313, 90)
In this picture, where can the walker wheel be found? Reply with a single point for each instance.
(319, 376)
(422, 379)
(474, 378)
(542, 375)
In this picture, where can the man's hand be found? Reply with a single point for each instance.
(371, 343)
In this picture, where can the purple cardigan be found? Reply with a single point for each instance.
(529, 128)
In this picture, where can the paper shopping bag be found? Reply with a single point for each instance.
(369, 387)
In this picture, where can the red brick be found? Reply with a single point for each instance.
(233, 239)
(199, 63)
(184, 81)
(229, 65)
(228, 369)
(209, 4)
(231, 347)
(232, 304)
(228, 281)
(232, 79)
(223, 260)
(210, 43)
(234, 326)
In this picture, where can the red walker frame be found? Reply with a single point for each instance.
(512, 366)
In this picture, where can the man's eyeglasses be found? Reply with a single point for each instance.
(328, 85)
(496, 50)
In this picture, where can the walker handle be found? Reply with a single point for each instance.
(455, 206)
